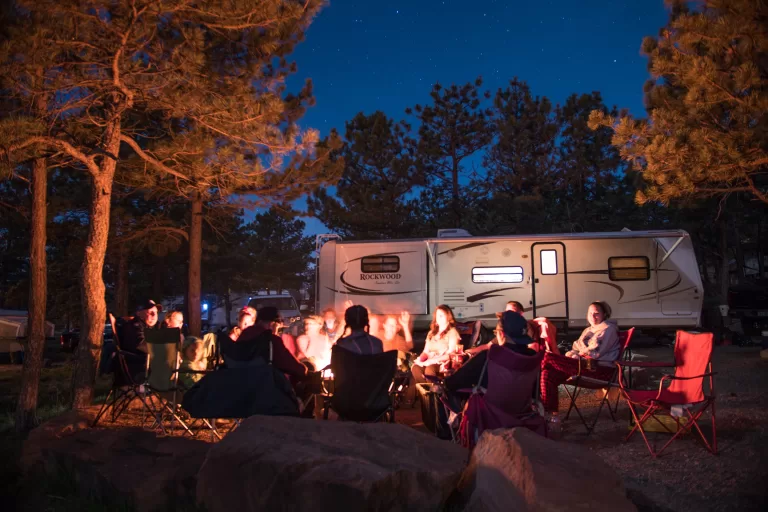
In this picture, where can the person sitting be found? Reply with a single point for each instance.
(391, 337)
(174, 320)
(541, 330)
(314, 345)
(193, 362)
(359, 340)
(130, 334)
(254, 342)
(511, 333)
(246, 317)
(442, 340)
(599, 341)
(331, 327)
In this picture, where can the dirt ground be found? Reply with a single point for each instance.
(686, 477)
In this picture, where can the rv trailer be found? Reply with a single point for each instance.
(649, 278)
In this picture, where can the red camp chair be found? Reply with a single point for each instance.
(693, 362)
(579, 382)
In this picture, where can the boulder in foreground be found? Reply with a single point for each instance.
(275, 463)
(522, 471)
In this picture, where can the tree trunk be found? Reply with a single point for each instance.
(725, 268)
(455, 200)
(738, 251)
(38, 277)
(760, 261)
(228, 308)
(195, 257)
(94, 303)
(121, 282)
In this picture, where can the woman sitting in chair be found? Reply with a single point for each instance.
(599, 341)
(314, 345)
(442, 341)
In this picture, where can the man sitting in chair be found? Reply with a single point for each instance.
(511, 333)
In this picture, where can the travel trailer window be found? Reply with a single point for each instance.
(372, 264)
(549, 262)
(632, 268)
(497, 275)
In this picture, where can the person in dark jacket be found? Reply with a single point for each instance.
(358, 340)
(130, 333)
(254, 342)
(511, 333)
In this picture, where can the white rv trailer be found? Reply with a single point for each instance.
(649, 278)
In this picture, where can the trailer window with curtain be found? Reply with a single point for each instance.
(629, 268)
(383, 263)
(497, 275)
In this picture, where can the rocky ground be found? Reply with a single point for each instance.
(686, 477)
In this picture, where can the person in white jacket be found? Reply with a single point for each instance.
(601, 339)
(598, 341)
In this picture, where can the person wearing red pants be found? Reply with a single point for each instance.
(599, 341)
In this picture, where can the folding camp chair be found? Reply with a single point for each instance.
(584, 380)
(683, 398)
(126, 387)
(508, 401)
(362, 386)
(163, 375)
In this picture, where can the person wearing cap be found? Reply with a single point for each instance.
(131, 335)
(543, 332)
(254, 342)
(511, 333)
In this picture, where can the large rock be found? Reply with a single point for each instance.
(291, 464)
(128, 464)
(519, 470)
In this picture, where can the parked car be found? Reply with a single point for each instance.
(69, 339)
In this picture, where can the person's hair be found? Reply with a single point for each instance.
(246, 311)
(516, 304)
(356, 318)
(603, 307)
(329, 310)
(314, 319)
(433, 327)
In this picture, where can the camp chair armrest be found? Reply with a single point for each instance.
(192, 371)
(672, 377)
(646, 364)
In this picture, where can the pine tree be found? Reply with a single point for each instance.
(705, 135)
(588, 166)
(108, 62)
(521, 161)
(453, 128)
(371, 199)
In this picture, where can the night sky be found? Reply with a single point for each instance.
(368, 56)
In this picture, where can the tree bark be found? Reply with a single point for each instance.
(93, 290)
(725, 267)
(738, 251)
(38, 282)
(228, 308)
(121, 282)
(195, 258)
(455, 199)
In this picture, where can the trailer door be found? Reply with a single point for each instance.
(549, 283)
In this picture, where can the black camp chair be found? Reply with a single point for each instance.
(362, 386)
(126, 385)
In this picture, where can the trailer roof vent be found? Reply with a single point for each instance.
(452, 233)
